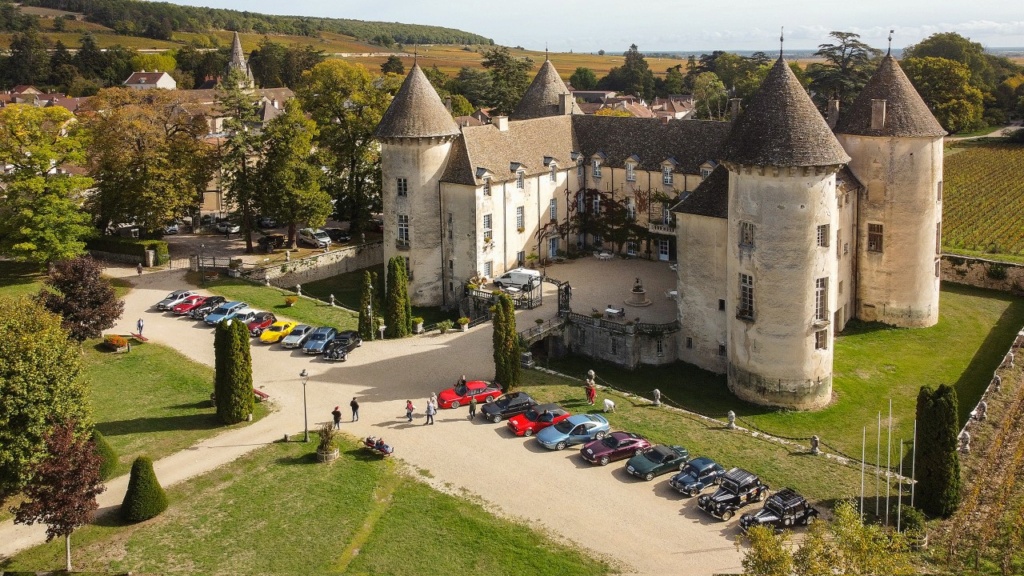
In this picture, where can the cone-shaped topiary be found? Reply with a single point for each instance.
(108, 456)
(397, 310)
(938, 462)
(145, 497)
(233, 372)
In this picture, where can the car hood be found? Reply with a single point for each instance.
(448, 395)
(551, 434)
(641, 463)
(762, 516)
(684, 478)
(722, 496)
(315, 344)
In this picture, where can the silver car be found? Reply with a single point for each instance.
(298, 336)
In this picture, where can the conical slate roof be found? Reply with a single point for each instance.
(781, 127)
(906, 114)
(237, 61)
(541, 98)
(416, 111)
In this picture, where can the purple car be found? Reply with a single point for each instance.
(615, 446)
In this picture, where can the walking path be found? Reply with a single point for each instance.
(640, 527)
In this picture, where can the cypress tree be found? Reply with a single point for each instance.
(108, 456)
(497, 338)
(396, 306)
(233, 378)
(145, 497)
(511, 343)
(938, 462)
(368, 324)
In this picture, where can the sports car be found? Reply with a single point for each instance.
(615, 446)
(188, 304)
(277, 331)
(208, 305)
(318, 339)
(657, 461)
(575, 429)
(173, 299)
(536, 419)
(297, 337)
(507, 406)
(482, 390)
(261, 322)
(697, 475)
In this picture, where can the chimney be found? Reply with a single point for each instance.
(565, 104)
(448, 104)
(734, 108)
(501, 122)
(877, 114)
(833, 113)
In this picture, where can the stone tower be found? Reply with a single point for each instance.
(237, 62)
(416, 135)
(895, 145)
(780, 281)
(547, 95)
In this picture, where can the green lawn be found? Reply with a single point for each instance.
(20, 278)
(347, 290)
(873, 364)
(276, 511)
(272, 299)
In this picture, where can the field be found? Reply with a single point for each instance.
(983, 200)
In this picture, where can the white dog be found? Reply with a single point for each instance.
(609, 406)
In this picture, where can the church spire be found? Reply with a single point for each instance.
(237, 62)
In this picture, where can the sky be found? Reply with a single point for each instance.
(676, 25)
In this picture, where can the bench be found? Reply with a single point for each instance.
(260, 395)
(139, 337)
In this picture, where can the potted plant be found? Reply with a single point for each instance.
(417, 325)
(116, 342)
(290, 300)
(234, 265)
(444, 326)
(531, 259)
(327, 450)
(464, 323)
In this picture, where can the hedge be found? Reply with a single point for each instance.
(108, 456)
(130, 246)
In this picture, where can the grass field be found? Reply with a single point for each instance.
(347, 289)
(20, 279)
(873, 363)
(272, 299)
(276, 511)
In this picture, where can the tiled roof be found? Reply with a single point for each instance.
(709, 198)
(906, 114)
(689, 142)
(416, 111)
(527, 142)
(146, 78)
(781, 127)
(542, 97)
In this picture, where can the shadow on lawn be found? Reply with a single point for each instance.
(160, 424)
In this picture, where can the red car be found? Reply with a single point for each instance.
(536, 419)
(261, 322)
(615, 446)
(459, 395)
(189, 304)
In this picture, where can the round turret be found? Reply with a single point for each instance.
(547, 95)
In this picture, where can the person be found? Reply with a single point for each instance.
(355, 409)
(408, 409)
(139, 268)
(431, 410)
(462, 381)
(591, 391)
(379, 444)
(336, 413)
(472, 407)
(139, 325)
(433, 399)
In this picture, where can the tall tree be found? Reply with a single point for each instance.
(507, 368)
(849, 64)
(397, 318)
(710, 96)
(232, 372)
(29, 60)
(40, 383)
(633, 77)
(938, 462)
(945, 85)
(82, 297)
(474, 84)
(583, 79)
(64, 485)
(953, 46)
(368, 313)
(509, 78)
(41, 216)
(241, 148)
(393, 65)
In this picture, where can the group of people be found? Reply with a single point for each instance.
(336, 413)
(430, 412)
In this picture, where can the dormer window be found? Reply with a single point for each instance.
(596, 165)
(630, 172)
(706, 169)
(666, 174)
(704, 173)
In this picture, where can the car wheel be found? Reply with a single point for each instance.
(561, 445)
(807, 520)
(693, 492)
(497, 285)
(455, 404)
(489, 399)
(599, 436)
(496, 418)
(760, 496)
(528, 432)
(649, 476)
(604, 461)
(727, 515)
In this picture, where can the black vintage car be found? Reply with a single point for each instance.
(200, 312)
(507, 406)
(736, 489)
(342, 344)
(783, 509)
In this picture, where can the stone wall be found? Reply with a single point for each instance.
(622, 346)
(319, 266)
(983, 273)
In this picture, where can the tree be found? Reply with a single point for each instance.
(145, 498)
(41, 383)
(474, 84)
(393, 65)
(769, 553)
(64, 485)
(938, 462)
(945, 85)
(633, 77)
(82, 297)
(509, 78)
(397, 315)
(368, 323)
(461, 106)
(28, 59)
(41, 219)
(106, 453)
(236, 99)
(583, 79)
(233, 372)
(849, 64)
(710, 96)
(673, 82)
(953, 46)
(505, 341)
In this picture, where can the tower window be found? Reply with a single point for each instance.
(666, 175)
(747, 234)
(721, 304)
(746, 308)
(519, 218)
(821, 339)
(403, 229)
(661, 347)
(488, 231)
(408, 268)
(938, 268)
(451, 226)
(874, 237)
(402, 187)
(823, 235)
(939, 192)
(520, 180)
(554, 172)
(689, 342)
(839, 243)
(821, 299)
(721, 349)
(487, 186)
(451, 265)
(938, 238)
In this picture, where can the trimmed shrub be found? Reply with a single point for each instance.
(108, 456)
(114, 341)
(145, 497)
(130, 246)
(232, 372)
(938, 463)
(397, 310)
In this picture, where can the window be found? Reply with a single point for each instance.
(661, 347)
(840, 287)
(553, 209)
(721, 349)
(487, 186)
(874, 237)
(408, 268)
(521, 258)
(579, 170)
(747, 234)
(821, 299)
(630, 209)
(823, 235)
(938, 238)
(581, 203)
(596, 203)
(487, 229)
(597, 168)
(519, 218)
(451, 226)
(630, 173)
(451, 265)
(520, 180)
(821, 339)
(615, 346)
(721, 304)
(939, 193)
(403, 229)
(403, 187)
(839, 243)
(488, 268)
(598, 241)
(554, 172)
(666, 175)
(938, 268)
(746, 309)
(631, 248)
(689, 342)
(704, 173)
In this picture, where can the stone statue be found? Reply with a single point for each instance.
(965, 442)
(731, 416)
(657, 397)
(815, 448)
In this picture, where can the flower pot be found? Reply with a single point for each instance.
(464, 327)
(327, 456)
(418, 328)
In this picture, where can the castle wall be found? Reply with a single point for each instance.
(899, 284)
(845, 247)
(773, 357)
(701, 284)
(459, 212)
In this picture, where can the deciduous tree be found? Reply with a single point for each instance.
(710, 96)
(393, 65)
(938, 462)
(945, 85)
(233, 372)
(397, 317)
(633, 77)
(769, 553)
(583, 79)
(83, 298)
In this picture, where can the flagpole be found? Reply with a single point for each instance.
(888, 466)
(863, 454)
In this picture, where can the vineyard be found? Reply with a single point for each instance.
(983, 203)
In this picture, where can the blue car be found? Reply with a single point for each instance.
(223, 312)
(318, 340)
(577, 429)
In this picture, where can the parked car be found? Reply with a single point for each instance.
(460, 394)
(223, 312)
(171, 228)
(209, 305)
(271, 242)
(277, 331)
(266, 222)
(297, 337)
(173, 299)
(657, 460)
(318, 339)
(735, 490)
(343, 343)
(261, 322)
(188, 304)
(536, 419)
(207, 220)
(783, 509)
(315, 238)
(576, 429)
(698, 474)
(226, 227)
(338, 235)
(507, 406)
(245, 316)
(522, 279)
(615, 446)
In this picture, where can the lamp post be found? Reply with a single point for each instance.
(369, 312)
(202, 270)
(305, 413)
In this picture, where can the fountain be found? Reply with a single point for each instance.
(638, 296)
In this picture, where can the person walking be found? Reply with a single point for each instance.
(472, 407)
(355, 409)
(408, 409)
(431, 410)
(139, 268)
(336, 414)
(139, 325)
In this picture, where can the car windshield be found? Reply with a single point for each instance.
(653, 456)
(531, 415)
(730, 486)
(276, 328)
(460, 390)
(774, 506)
(322, 236)
(318, 336)
(689, 469)
(611, 442)
(222, 310)
(172, 295)
(564, 426)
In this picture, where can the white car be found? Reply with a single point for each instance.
(314, 237)
(225, 227)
